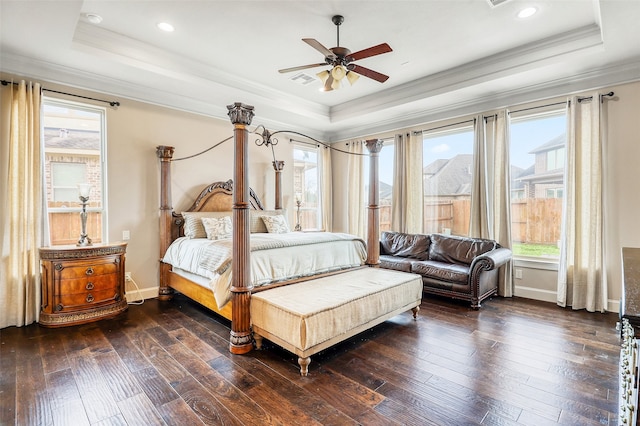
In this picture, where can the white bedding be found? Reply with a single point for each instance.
(274, 257)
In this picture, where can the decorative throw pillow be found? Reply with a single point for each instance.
(276, 224)
(193, 226)
(217, 228)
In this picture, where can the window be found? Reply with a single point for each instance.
(306, 177)
(447, 174)
(74, 146)
(537, 155)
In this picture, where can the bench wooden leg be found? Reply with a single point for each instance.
(258, 340)
(415, 312)
(304, 365)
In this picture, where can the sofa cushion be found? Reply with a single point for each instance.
(452, 249)
(450, 272)
(396, 263)
(414, 246)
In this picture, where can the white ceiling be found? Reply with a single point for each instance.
(449, 57)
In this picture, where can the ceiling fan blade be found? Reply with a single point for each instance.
(372, 51)
(368, 73)
(319, 47)
(302, 67)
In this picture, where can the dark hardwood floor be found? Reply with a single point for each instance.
(514, 362)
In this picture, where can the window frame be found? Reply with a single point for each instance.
(103, 187)
(465, 127)
(303, 146)
(526, 114)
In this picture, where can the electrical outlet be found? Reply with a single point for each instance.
(127, 276)
(519, 274)
(126, 235)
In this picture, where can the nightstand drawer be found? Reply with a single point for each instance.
(88, 300)
(71, 269)
(94, 283)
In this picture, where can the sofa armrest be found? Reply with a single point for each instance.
(493, 259)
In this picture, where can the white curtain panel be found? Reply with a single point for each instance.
(21, 228)
(490, 198)
(326, 195)
(499, 189)
(582, 278)
(407, 198)
(479, 217)
(355, 211)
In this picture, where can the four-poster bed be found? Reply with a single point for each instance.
(236, 198)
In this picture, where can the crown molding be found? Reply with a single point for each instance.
(519, 59)
(620, 73)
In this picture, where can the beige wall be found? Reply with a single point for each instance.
(623, 196)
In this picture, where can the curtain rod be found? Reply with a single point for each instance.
(539, 106)
(112, 103)
(419, 132)
(588, 98)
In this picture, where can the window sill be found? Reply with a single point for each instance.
(548, 264)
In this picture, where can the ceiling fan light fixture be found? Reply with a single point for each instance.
(338, 72)
(335, 85)
(352, 77)
(323, 76)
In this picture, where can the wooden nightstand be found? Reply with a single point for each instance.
(82, 284)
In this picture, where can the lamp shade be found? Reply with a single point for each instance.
(323, 76)
(352, 77)
(84, 189)
(338, 72)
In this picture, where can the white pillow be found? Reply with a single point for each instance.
(276, 224)
(217, 228)
(193, 227)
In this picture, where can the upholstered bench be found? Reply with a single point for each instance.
(308, 317)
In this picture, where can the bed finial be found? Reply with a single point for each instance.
(240, 113)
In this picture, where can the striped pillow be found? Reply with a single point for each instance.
(193, 226)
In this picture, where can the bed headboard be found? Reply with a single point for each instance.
(217, 197)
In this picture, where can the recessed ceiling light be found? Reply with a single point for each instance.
(527, 12)
(165, 26)
(93, 18)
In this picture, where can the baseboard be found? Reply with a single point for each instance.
(552, 296)
(135, 295)
(535, 294)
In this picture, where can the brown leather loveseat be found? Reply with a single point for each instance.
(458, 267)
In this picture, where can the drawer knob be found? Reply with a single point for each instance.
(89, 286)
(89, 271)
(89, 298)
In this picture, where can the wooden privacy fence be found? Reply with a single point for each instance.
(65, 227)
(533, 220)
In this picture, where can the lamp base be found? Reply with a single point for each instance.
(84, 241)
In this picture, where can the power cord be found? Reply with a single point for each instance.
(140, 300)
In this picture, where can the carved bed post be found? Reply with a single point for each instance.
(278, 165)
(240, 339)
(165, 154)
(373, 224)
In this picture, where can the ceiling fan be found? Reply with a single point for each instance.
(341, 60)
